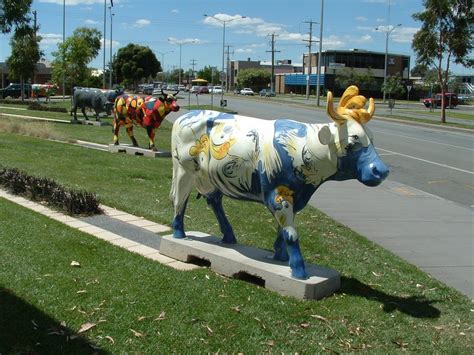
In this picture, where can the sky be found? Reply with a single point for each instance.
(178, 28)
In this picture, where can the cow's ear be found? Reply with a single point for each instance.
(325, 135)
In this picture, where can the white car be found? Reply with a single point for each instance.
(247, 91)
(216, 90)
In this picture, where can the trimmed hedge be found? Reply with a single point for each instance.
(46, 190)
(34, 105)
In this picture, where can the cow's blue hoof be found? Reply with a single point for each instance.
(179, 234)
(229, 239)
(299, 274)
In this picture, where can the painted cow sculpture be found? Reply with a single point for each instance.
(148, 113)
(96, 99)
(278, 163)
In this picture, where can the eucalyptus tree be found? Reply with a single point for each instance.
(14, 13)
(445, 36)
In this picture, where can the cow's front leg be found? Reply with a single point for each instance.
(130, 134)
(280, 203)
(181, 187)
(150, 130)
(97, 115)
(215, 200)
(281, 253)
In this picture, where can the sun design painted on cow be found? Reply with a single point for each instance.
(278, 163)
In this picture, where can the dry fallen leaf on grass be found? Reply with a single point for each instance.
(210, 332)
(86, 326)
(161, 316)
(319, 317)
(137, 334)
(375, 274)
(109, 338)
(75, 263)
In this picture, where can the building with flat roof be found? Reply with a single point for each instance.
(42, 74)
(339, 62)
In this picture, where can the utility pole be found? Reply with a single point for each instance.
(272, 80)
(34, 37)
(193, 63)
(227, 76)
(310, 41)
(318, 74)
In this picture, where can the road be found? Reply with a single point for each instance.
(433, 160)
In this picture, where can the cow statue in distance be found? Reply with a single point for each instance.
(148, 113)
(96, 99)
(278, 163)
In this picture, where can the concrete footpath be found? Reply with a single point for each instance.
(430, 232)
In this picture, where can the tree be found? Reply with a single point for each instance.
(393, 86)
(348, 77)
(74, 55)
(254, 78)
(134, 63)
(14, 13)
(419, 70)
(24, 55)
(211, 74)
(445, 36)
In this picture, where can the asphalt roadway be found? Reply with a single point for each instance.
(413, 224)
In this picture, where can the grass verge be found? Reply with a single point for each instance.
(385, 304)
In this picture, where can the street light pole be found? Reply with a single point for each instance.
(163, 62)
(103, 43)
(387, 35)
(110, 60)
(180, 44)
(223, 49)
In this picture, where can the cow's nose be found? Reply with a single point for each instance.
(381, 171)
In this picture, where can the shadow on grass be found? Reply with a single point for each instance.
(24, 329)
(415, 306)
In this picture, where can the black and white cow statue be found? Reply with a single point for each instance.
(96, 99)
(278, 163)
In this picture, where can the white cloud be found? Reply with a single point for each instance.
(185, 41)
(361, 18)
(404, 34)
(253, 26)
(141, 23)
(91, 22)
(115, 44)
(48, 39)
(175, 11)
(244, 50)
(74, 2)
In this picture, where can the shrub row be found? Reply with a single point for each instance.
(34, 105)
(46, 190)
(14, 101)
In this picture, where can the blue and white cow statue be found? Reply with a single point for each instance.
(279, 163)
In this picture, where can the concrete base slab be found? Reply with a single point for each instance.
(90, 122)
(122, 148)
(251, 264)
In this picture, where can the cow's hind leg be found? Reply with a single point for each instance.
(181, 187)
(215, 200)
(130, 134)
(282, 208)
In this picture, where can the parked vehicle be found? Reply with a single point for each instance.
(267, 93)
(450, 100)
(247, 91)
(14, 91)
(216, 90)
(148, 90)
(202, 90)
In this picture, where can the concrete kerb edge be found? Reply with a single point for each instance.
(100, 233)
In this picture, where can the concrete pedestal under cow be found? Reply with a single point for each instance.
(278, 163)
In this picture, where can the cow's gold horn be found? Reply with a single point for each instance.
(335, 116)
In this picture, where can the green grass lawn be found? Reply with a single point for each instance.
(384, 305)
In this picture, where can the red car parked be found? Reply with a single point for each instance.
(450, 100)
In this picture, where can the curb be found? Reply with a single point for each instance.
(100, 233)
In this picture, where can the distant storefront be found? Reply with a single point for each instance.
(42, 74)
